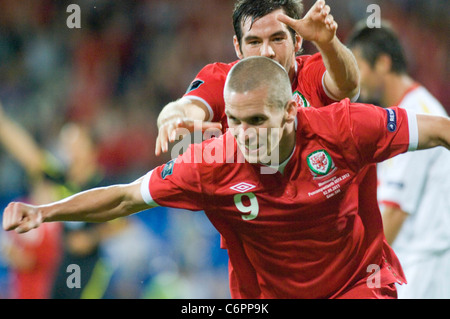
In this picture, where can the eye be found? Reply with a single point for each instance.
(256, 120)
(233, 120)
(252, 41)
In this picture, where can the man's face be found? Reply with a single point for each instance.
(256, 126)
(270, 38)
(371, 83)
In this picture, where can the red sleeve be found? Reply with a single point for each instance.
(175, 184)
(310, 80)
(208, 87)
(379, 133)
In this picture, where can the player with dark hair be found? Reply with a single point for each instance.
(270, 28)
(297, 233)
(413, 188)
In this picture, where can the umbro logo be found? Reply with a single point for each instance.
(242, 187)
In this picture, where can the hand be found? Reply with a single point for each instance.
(317, 25)
(179, 127)
(21, 217)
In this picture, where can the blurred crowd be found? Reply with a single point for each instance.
(114, 75)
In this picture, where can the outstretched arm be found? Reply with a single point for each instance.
(433, 131)
(318, 25)
(95, 205)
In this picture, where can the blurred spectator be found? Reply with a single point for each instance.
(32, 259)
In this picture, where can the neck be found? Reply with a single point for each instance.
(287, 143)
(395, 87)
(293, 70)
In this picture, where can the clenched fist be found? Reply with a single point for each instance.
(21, 217)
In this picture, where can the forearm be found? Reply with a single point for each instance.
(393, 219)
(95, 205)
(21, 145)
(342, 79)
(182, 108)
(433, 131)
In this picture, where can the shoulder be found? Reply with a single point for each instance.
(337, 109)
(421, 101)
(305, 60)
(218, 68)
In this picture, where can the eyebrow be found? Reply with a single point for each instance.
(276, 34)
(246, 119)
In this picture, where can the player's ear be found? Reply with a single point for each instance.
(298, 42)
(237, 47)
(383, 64)
(290, 111)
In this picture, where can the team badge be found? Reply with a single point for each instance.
(300, 99)
(242, 187)
(168, 169)
(320, 163)
(194, 85)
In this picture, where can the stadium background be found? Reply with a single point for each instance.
(127, 61)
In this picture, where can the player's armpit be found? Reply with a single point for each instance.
(433, 131)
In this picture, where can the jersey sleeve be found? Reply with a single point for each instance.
(176, 184)
(311, 81)
(207, 87)
(381, 133)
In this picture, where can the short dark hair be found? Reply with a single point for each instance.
(374, 42)
(256, 9)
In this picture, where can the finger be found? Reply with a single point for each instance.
(212, 125)
(27, 226)
(198, 125)
(287, 20)
(329, 20)
(158, 146)
(318, 6)
(325, 11)
(331, 24)
(31, 221)
(13, 216)
(7, 217)
(163, 138)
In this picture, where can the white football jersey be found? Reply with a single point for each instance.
(419, 183)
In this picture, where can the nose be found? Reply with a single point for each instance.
(246, 134)
(267, 51)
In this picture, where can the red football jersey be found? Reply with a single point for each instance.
(307, 87)
(306, 233)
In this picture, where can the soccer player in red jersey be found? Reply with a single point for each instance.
(273, 29)
(296, 232)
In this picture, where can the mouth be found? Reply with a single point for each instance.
(253, 150)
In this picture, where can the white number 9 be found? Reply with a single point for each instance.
(253, 208)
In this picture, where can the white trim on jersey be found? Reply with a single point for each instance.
(353, 99)
(145, 190)
(413, 130)
(193, 97)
